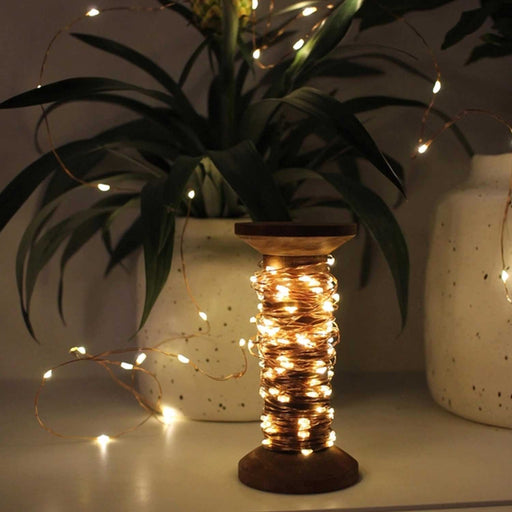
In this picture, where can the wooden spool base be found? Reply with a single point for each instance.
(293, 473)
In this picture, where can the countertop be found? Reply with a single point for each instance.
(413, 455)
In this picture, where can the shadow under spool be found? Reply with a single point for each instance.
(284, 244)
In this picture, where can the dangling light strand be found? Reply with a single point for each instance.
(295, 342)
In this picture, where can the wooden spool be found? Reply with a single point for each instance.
(285, 244)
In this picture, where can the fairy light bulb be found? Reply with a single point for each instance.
(126, 366)
(169, 414)
(256, 54)
(80, 350)
(330, 260)
(298, 44)
(306, 451)
(103, 187)
(437, 87)
(92, 12)
(191, 194)
(423, 148)
(203, 315)
(255, 4)
(308, 11)
(183, 359)
(103, 439)
(47, 375)
(140, 358)
(504, 276)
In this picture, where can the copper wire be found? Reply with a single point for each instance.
(297, 333)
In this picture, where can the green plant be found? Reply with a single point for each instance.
(252, 151)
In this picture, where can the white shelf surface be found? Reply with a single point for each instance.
(413, 455)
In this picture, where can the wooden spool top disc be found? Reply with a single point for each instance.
(293, 239)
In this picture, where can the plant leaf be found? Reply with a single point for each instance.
(84, 232)
(381, 224)
(159, 202)
(246, 172)
(130, 240)
(323, 40)
(182, 105)
(76, 88)
(332, 112)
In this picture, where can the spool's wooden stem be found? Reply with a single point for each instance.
(285, 244)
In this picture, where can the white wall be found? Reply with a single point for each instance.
(100, 313)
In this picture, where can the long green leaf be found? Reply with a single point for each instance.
(182, 104)
(382, 225)
(244, 169)
(323, 40)
(84, 232)
(130, 241)
(159, 202)
(332, 112)
(76, 88)
(14, 195)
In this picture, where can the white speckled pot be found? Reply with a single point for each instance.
(218, 267)
(468, 326)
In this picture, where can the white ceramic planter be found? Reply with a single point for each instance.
(468, 326)
(218, 267)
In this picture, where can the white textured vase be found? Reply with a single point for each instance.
(218, 267)
(468, 327)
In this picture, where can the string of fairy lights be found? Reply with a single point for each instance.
(296, 336)
(297, 356)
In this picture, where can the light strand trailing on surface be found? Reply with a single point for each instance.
(296, 336)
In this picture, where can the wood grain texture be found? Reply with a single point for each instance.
(293, 473)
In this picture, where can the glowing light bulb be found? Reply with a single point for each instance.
(298, 44)
(437, 87)
(283, 399)
(253, 279)
(47, 375)
(291, 309)
(328, 306)
(308, 11)
(169, 414)
(336, 297)
(183, 359)
(126, 366)
(38, 86)
(317, 289)
(504, 276)
(252, 319)
(266, 442)
(331, 261)
(422, 149)
(203, 315)
(103, 187)
(254, 4)
(103, 439)
(242, 342)
(256, 54)
(306, 451)
(80, 350)
(141, 358)
(92, 12)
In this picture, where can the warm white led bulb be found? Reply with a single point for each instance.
(92, 12)
(103, 187)
(298, 44)
(437, 87)
(306, 451)
(423, 148)
(504, 276)
(47, 375)
(308, 11)
(183, 359)
(242, 342)
(103, 439)
(331, 261)
(169, 414)
(126, 366)
(254, 4)
(141, 358)
(203, 315)
(80, 350)
(191, 194)
(256, 54)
